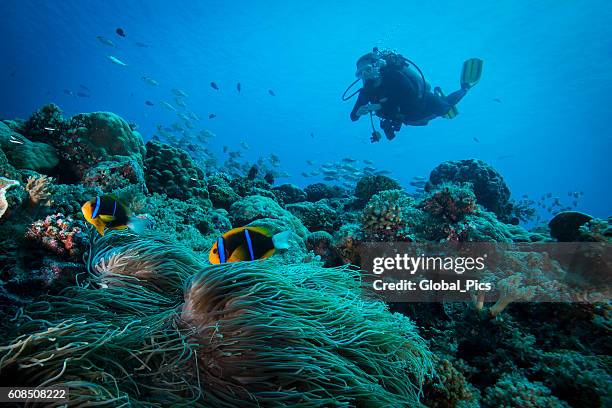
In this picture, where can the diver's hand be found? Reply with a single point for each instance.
(365, 109)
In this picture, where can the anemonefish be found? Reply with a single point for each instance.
(247, 244)
(106, 212)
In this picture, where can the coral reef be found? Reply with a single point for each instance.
(143, 319)
(489, 186)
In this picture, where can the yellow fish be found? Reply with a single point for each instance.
(107, 213)
(247, 244)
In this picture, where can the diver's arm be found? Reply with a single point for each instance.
(362, 100)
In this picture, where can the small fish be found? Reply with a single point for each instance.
(497, 100)
(212, 116)
(105, 212)
(105, 41)
(419, 178)
(476, 139)
(314, 173)
(179, 102)
(304, 174)
(49, 129)
(245, 145)
(84, 87)
(141, 45)
(150, 81)
(349, 160)
(310, 162)
(271, 92)
(253, 172)
(368, 162)
(116, 61)
(247, 244)
(149, 103)
(419, 184)
(192, 116)
(83, 95)
(15, 140)
(328, 178)
(238, 87)
(68, 92)
(269, 177)
(120, 32)
(168, 106)
(214, 86)
(179, 92)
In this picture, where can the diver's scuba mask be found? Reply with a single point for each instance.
(370, 70)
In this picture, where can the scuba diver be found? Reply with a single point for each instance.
(399, 94)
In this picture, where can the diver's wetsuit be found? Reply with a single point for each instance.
(399, 94)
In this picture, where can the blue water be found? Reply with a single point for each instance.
(548, 62)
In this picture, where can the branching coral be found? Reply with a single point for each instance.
(39, 190)
(5, 184)
(383, 216)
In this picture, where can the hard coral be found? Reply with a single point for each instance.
(112, 175)
(368, 186)
(318, 191)
(383, 215)
(24, 153)
(449, 202)
(61, 235)
(172, 172)
(489, 186)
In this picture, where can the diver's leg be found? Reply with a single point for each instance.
(456, 96)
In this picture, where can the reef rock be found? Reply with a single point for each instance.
(488, 185)
(171, 171)
(565, 226)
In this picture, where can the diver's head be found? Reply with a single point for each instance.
(368, 67)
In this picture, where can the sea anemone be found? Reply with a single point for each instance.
(302, 335)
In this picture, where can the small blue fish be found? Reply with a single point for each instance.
(271, 92)
(214, 86)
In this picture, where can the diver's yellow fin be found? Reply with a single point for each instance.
(471, 72)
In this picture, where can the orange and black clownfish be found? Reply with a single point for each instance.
(106, 212)
(247, 244)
